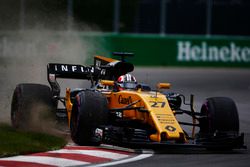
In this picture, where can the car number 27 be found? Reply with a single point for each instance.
(157, 104)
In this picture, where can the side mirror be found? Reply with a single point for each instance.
(163, 86)
(107, 82)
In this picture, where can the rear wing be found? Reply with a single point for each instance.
(70, 71)
(103, 68)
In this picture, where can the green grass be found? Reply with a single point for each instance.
(15, 142)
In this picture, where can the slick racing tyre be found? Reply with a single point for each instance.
(31, 105)
(89, 112)
(219, 114)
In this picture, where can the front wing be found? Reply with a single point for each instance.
(139, 140)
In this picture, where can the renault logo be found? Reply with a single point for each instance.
(170, 128)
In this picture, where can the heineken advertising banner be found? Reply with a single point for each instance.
(150, 50)
(201, 51)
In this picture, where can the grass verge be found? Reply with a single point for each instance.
(15, 142)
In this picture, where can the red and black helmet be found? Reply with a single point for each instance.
(126, 78)
(126, 81)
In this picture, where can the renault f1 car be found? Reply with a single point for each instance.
(136, 117)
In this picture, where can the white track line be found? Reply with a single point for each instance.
(136, 158)
(46, 160)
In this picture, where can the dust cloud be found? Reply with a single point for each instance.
(24, 57)
(33, 34)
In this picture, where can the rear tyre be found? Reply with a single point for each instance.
(89, 112)
(31, 105)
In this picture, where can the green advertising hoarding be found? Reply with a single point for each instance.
(156, 50)
(150, 50)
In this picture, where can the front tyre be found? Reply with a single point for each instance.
(219, 123)
(89, 112)
(219, 115)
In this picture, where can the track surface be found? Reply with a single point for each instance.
(203, 83)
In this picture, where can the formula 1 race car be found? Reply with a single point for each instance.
(118, 110)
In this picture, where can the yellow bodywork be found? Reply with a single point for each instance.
(106, 59)
(151, 108)
(155, 112)
(68, 105)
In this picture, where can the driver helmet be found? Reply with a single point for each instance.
(126, 81)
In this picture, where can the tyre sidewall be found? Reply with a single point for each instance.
(89, 112)
(220, 114)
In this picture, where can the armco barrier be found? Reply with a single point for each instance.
(150, 50)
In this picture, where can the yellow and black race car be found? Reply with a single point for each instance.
(118, 110)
